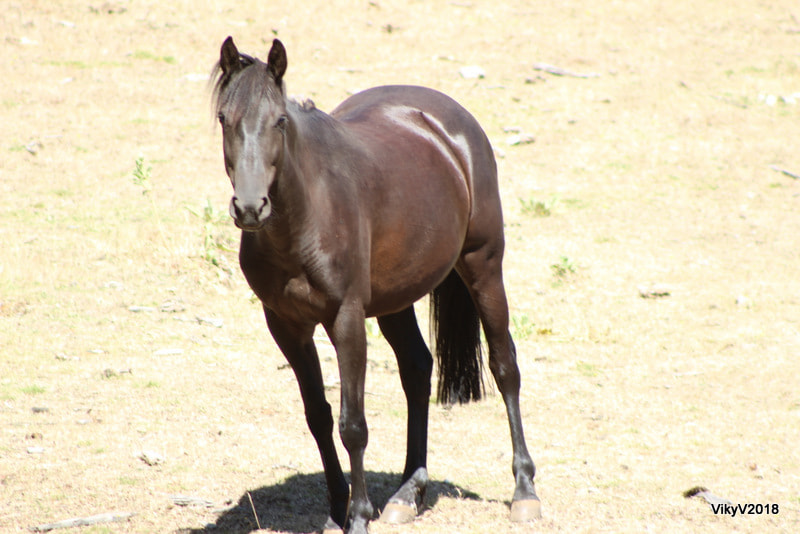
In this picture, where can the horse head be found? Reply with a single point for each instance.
(251, 107)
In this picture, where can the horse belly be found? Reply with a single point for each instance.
(394, 289)
(415, 245)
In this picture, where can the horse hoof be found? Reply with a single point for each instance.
(396, 513)
(331, 527)
(527, 510)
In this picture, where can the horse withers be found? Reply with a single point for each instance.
(360, 213)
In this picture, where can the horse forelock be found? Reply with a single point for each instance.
(220, 79)
(237, 89)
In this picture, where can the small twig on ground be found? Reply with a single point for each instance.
(558, 71)
(790, 174)
(253, 506)
(729, 101)
(188, 500)
(83, 521)
(654, 291)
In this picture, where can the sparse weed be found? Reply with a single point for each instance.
(213, 241)
(145, 54)
(537, 208)
(563, 269)
(522, 326)
(141, 175)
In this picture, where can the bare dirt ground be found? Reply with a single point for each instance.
(126, 327)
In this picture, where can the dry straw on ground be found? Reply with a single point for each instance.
(664, 170)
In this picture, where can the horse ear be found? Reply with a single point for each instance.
(229, 57)
(276, 61)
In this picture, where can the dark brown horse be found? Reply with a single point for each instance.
(361, 213)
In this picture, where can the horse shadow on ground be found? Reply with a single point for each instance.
(299, 504)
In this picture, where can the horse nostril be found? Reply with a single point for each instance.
(247, 215)
(233, 209)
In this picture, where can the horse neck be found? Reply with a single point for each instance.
(293, 197)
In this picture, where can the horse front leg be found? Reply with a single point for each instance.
(348, 335)
(296, 343)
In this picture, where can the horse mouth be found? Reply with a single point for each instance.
(250, 226)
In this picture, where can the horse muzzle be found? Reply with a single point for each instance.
(250, 216)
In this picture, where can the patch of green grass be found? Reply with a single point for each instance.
(5, 391)
(537, 208)
(751, 70)
(145, 54)
(563, 268)
(603, 239)
(78, 64)
(619, 165)
(587, 369)
(522, 326)
(75, 64)
(33, 390)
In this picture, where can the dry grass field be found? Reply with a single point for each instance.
(653, 265)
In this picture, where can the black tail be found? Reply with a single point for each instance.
(458, 342)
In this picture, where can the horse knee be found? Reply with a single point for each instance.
(353, 431)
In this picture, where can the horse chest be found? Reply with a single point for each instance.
(298, 293)
(290, 296)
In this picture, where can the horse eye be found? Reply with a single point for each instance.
(281, 124)
(221, 117)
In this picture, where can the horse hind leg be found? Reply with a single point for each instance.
(415, 364)
(481, 270)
